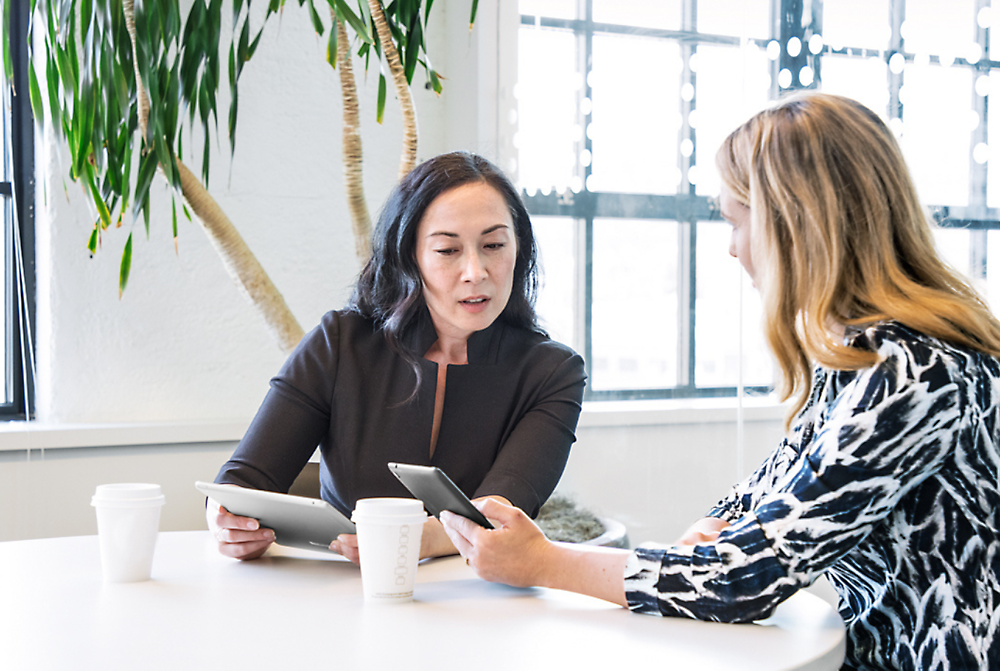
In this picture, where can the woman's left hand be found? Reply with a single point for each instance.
(512, 553)
(347, 545)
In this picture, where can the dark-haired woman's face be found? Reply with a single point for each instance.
(466, 250)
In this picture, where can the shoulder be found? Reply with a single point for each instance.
(911, 363)
(542, 361)
(336, 325)
(922, 354)
(521, 342)
(321, 345)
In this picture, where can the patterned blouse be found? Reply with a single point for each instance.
(888, 485)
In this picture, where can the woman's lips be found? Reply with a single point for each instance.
(474, 304)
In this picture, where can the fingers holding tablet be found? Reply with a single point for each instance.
(238, 537)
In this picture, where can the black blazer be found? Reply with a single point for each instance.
(508, 421)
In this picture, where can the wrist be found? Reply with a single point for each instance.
(546, 564)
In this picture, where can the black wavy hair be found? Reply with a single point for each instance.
(390, 289)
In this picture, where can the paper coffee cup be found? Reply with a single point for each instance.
(389, 531)
(128, 520)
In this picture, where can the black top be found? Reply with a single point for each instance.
(508, 421)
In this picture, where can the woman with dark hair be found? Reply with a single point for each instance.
(437, 360)
(888, 481)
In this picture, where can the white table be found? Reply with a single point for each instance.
(302, 610)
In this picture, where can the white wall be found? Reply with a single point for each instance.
(182, 344)
(655, 472)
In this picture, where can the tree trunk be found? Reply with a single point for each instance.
(353, 172)
(409, 157)
(239, 261)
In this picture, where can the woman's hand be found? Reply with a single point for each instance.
(238, 537)
(347, 545)
(705, 530)
(434, 542)
(514, 552)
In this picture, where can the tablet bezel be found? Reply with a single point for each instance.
(297, 521)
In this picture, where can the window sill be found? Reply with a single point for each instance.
(40, 436)
(675, 411)
(16, 436)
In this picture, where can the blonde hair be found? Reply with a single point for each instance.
(839, 237)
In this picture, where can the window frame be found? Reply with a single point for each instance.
(18, 193)
(689, 209)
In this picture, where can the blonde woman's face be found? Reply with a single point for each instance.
(738, 215)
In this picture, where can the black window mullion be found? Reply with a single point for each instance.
(20, 307)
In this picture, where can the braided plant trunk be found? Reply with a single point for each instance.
(352, 147)
(236, 256)
(409, 156)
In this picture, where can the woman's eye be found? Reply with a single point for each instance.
(494, 245)
(445, 252)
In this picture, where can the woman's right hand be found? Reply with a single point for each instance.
(705, 530)
(238, 537)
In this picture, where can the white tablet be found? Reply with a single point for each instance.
(297, 521)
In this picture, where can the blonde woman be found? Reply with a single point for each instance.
(887, 480)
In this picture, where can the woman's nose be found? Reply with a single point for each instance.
(475, 269)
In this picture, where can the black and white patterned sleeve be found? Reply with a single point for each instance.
(887, 429)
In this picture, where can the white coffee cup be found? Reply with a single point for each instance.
(128, 521)
(389, 531)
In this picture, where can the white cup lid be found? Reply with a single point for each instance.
(128, 494)
(406, 511)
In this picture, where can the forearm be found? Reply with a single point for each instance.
(585, 569)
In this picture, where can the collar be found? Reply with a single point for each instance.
(483, 346)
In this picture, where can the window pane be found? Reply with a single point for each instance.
(993, 164)
(993, 270)
(936, 137)
(935, 27)
(861, 24)
(635, 321)
(953, 243)
(738, 18)
(662, 14)
(733, 83)
(722, 283)
(636, 119)
(557, 9)
(547, 90)
(863, 79)
(557, 300)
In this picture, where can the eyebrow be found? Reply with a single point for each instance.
(448, 234)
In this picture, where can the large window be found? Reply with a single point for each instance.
(620, 108)
(17, 257)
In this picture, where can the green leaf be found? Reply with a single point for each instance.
(435, 82)
(147, 168)
(314, 15)
(126, 267)
(92, 243)
(66, 72)
(472, 17)
(102, 208)
(36, 95)
(8, 66)
(415, 39)
(173, 207)
(380, 110)
(345, 14)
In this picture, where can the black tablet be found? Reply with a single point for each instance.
(437, 491)
(297, 521)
